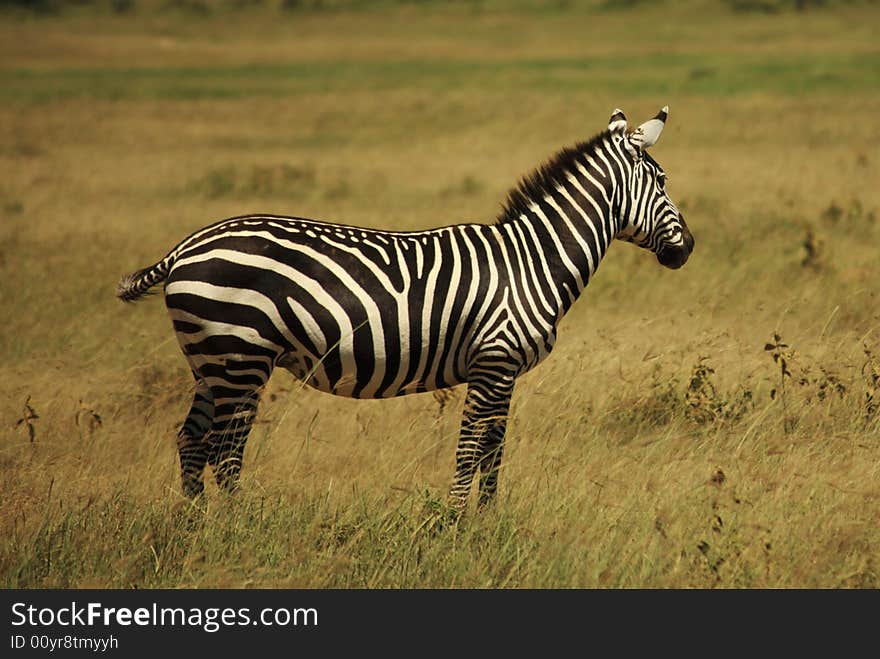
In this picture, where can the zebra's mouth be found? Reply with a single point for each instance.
(675, 256)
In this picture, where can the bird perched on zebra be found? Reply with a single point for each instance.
(367, 313)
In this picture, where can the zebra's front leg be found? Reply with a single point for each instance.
(484, 421)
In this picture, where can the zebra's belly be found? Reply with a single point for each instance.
(340, 375)
(420, 366)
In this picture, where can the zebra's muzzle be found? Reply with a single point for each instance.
(675, 256)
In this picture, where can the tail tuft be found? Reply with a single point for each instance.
(127, 289)
(138, 284)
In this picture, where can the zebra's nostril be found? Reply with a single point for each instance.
(689, 240)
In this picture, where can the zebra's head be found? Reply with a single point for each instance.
(648, 217)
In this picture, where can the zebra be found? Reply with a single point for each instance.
(370, 314)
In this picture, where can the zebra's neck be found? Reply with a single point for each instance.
(561, 220)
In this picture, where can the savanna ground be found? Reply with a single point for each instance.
(663, 444)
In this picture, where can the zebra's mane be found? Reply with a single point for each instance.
(541, 181)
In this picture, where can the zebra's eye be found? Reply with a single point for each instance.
(661, 180)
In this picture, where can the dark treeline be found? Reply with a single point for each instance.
(208, 7)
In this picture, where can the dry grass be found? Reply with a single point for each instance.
(660, 445)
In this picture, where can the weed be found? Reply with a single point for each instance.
(814, 248)
(87, 419)
(658, 406)
(705, 405)
(27, 420)
(443, 398)
(853, 216)
(871, 375)
(218, 182)
(13, 207)
(277, 179)
(256, 180)
(833, 214)
(782, 355)
(826, 384)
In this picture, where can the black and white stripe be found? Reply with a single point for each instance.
(375, 314)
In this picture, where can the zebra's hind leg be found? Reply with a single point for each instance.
(491, 448)
(191, 445)
(482, 435)
(233, 420)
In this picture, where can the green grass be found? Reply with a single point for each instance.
(634, 76)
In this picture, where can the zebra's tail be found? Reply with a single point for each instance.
(136, 285)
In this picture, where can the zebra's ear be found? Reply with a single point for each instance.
(617, 123)
(648, 133)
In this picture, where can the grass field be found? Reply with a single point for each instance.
(661, 445)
